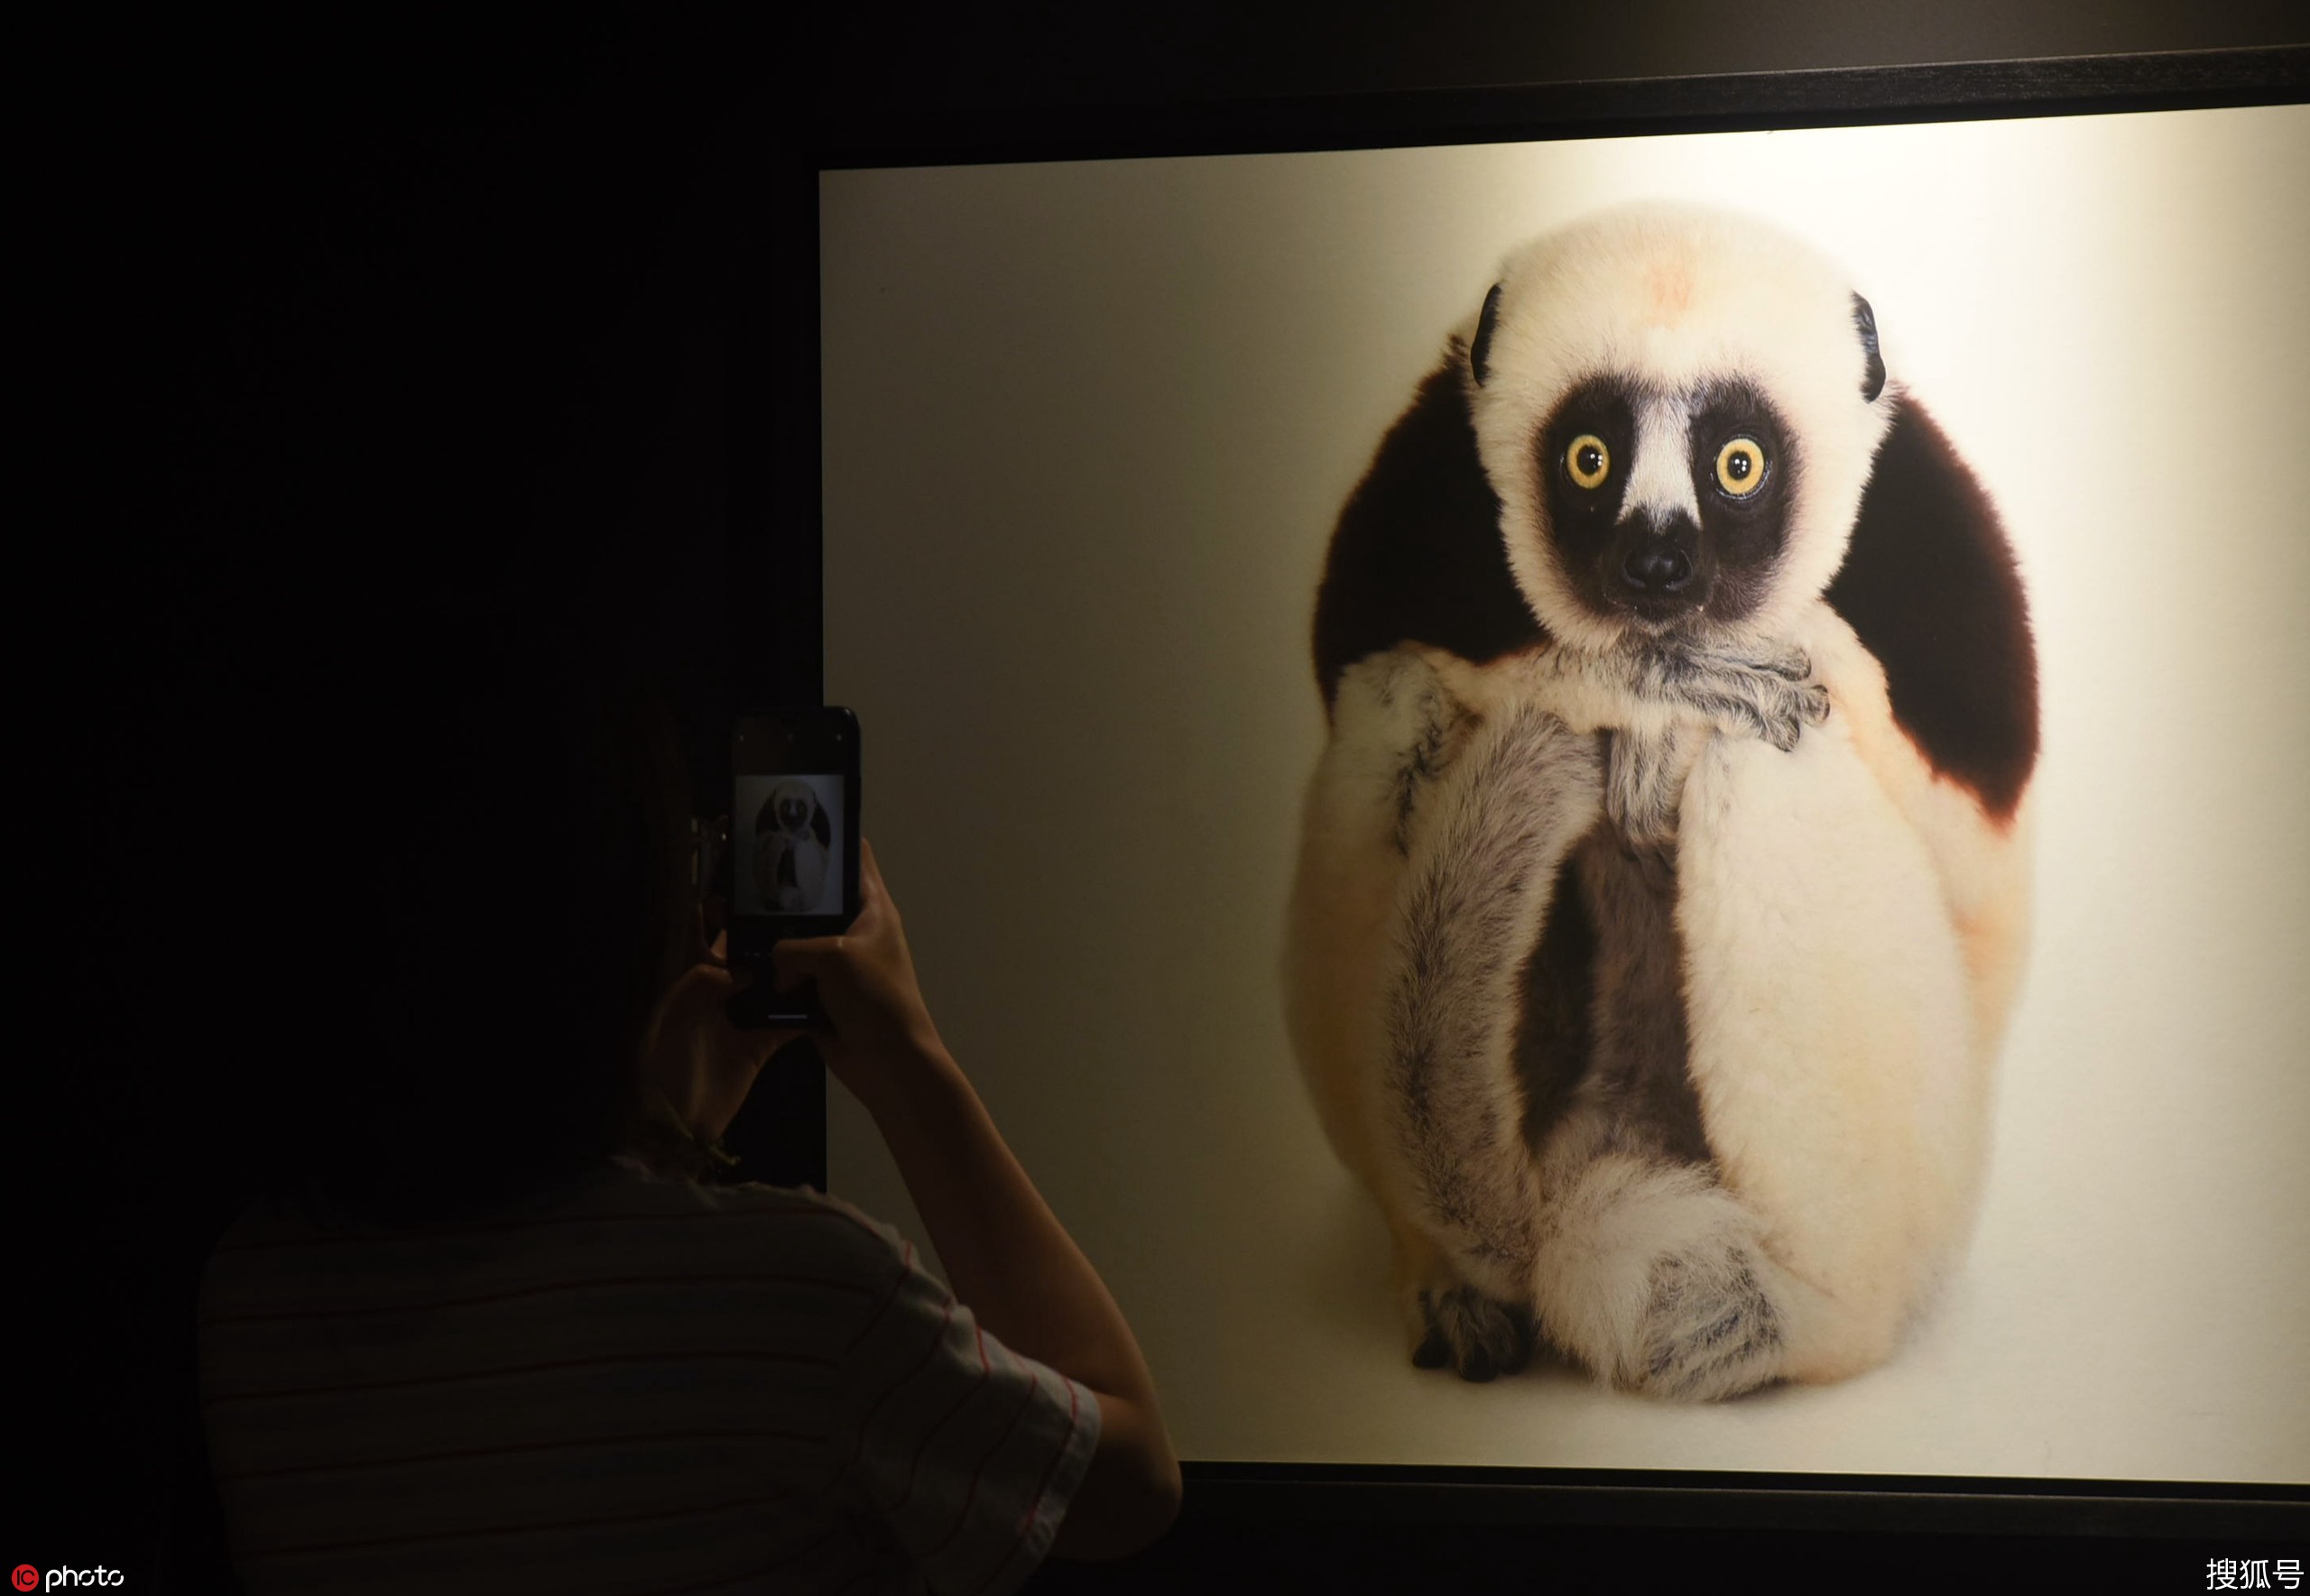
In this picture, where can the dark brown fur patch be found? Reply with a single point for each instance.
(1642, 1073)
(1650, 1098)
(1417, 555)
(1930, 587)
(1554, 1039)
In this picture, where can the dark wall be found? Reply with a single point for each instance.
(346, 333)
(341, 318)
(1055, 54)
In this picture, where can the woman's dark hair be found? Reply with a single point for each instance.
(510, 877)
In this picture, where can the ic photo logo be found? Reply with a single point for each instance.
(25, 1577)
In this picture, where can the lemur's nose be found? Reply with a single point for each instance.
(1657, 566)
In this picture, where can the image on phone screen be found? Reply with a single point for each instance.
(787, 842)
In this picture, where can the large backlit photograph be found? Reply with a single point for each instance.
(1615, 803)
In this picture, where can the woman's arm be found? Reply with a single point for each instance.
(1005, 1253)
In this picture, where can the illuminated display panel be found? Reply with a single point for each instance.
(1087, 428)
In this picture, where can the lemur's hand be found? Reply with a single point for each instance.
(1772, 698)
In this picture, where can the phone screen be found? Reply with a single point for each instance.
(793, 865)
(787, 840)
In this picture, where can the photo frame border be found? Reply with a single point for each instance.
(771, 219)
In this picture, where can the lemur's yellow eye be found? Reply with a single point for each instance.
(1740, 467)
(1588, 460)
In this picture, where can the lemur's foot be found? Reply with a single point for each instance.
(1481, 1337)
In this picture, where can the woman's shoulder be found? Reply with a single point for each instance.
(629, 1175)
(800, 1217)
(621, 1208)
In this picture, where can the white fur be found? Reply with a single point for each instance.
(1832, 1043)
(1661, 479)
(1984, 867)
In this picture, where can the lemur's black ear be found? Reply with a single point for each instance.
(1872, 379)
(1418, 556)
(1479, 352)
(1931, 589)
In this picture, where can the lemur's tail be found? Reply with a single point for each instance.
(1650, 1272)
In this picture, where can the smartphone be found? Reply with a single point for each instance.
(792, 858)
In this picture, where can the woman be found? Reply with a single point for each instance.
(498, 1327)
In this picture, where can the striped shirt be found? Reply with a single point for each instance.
(632, 1385)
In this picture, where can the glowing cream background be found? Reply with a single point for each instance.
(1087, 428)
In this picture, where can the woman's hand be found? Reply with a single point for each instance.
(695, 1059)
(878, 1026)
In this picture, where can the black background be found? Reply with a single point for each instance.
(315, 313)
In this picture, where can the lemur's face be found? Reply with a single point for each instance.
(788, 811)
(1677, 409)
(1667, 508)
